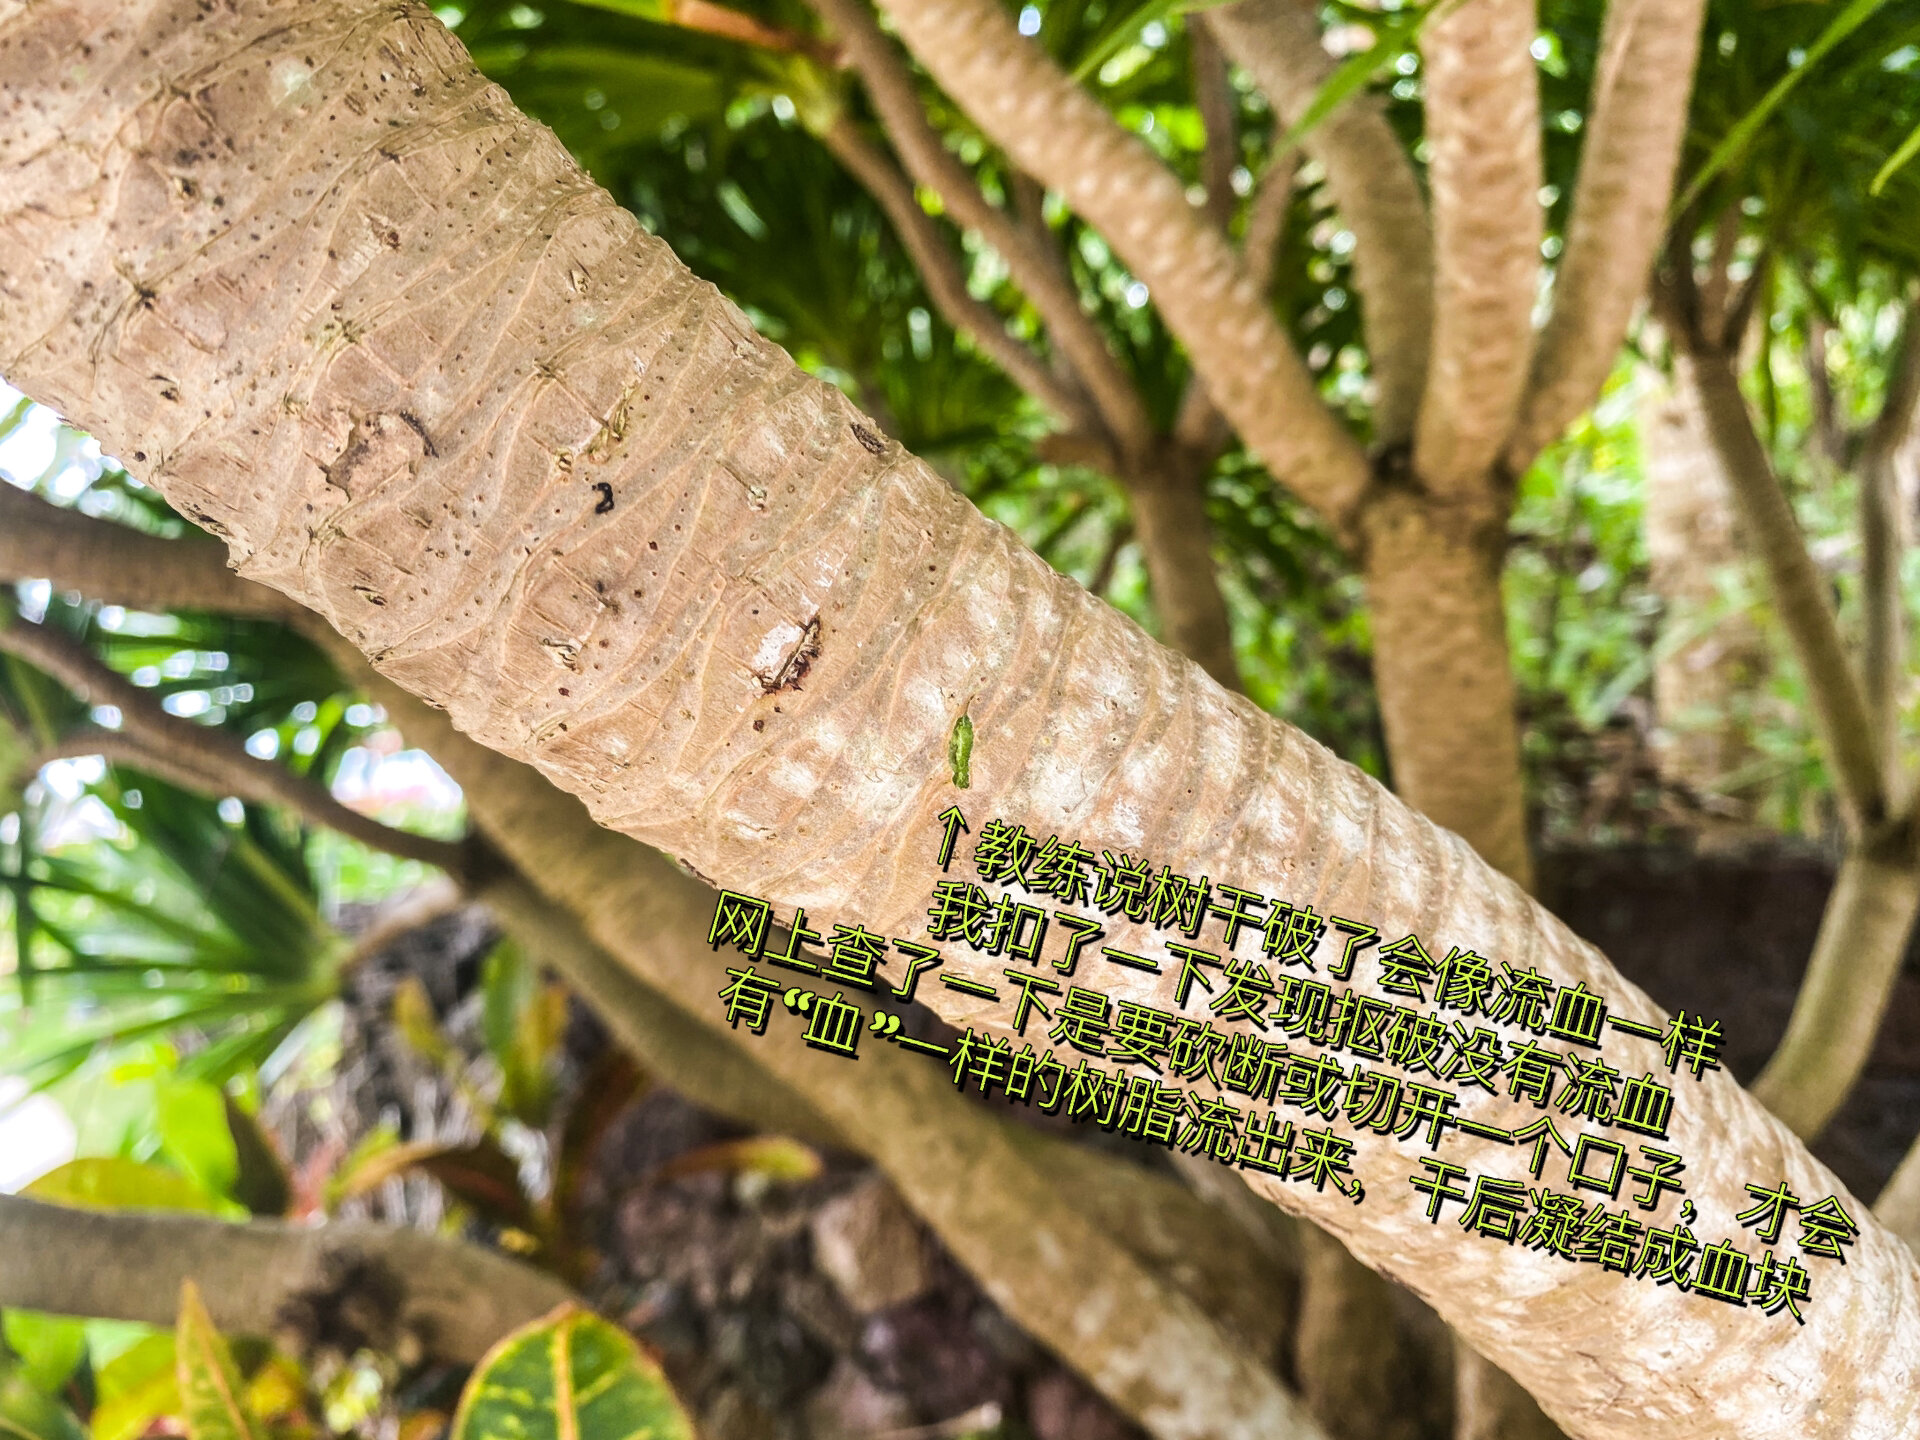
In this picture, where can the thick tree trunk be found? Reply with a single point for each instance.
(1143, 1344)
(400, 358)
(1441, 664)
(1159, 1221)
(1702, 664)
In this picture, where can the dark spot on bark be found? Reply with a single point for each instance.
(370, 595)
(605, 505)
(872, 442)
(759, 724)
(426, 440)
(794, 668)
(357, 1306)
(564, 691)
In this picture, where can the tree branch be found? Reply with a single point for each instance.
(1067, 140)
(1373, 186)
(1636, 119)
(1849, 982)
(946, 282)
(1839, 708)
(454, 1299)
(209, 756)
(41, 540)
(1483, 127)
(1037, 272)
(1219, 117)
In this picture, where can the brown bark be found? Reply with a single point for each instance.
(1065, 138)
(1636, 118)
(1835, 699)
(557, 343)
(1176, 540)
(1483, 126)
(1445, 680)
(1701, 663)
(1373, 186)
(453, 1299)
(1849, 982)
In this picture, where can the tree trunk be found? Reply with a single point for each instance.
(1702, 664)
(1849, 982)
(399, 360)
(1142, 1343)
(1176, 541)
(1443, 672)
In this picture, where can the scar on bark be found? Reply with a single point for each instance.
(794, 669)
(605, 505)
(356, 1306)
(872, 442)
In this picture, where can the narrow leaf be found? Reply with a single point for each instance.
(209, 1381)
(773, 1156)
(570, 1376)
(1744, 129)
(478, 1173)
(1909, 147)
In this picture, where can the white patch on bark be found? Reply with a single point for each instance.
(291, 81)
(775, 646)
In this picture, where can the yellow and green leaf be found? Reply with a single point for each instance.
(569, 1376)
(210, 1386)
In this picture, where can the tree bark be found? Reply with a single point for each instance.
(1443, 671)
(1169, 504)
(408, 434)
(1483, 124)
(1636, 119)
(1143, 1344)
(1065, 138)
(1836, 702)
(1701, 664)
(1849, 982)
(1372, 184)
(453, 1299)
(1157, 1222)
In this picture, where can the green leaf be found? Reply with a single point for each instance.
(1909, 147)
(1395, 37)
(1736, 139)
(50, 1347)
(209, 1381)
(523, 1020)
(570, 1376)
(135, 1388)
(110, 1182)
(29, 1413)
(192, 1120)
